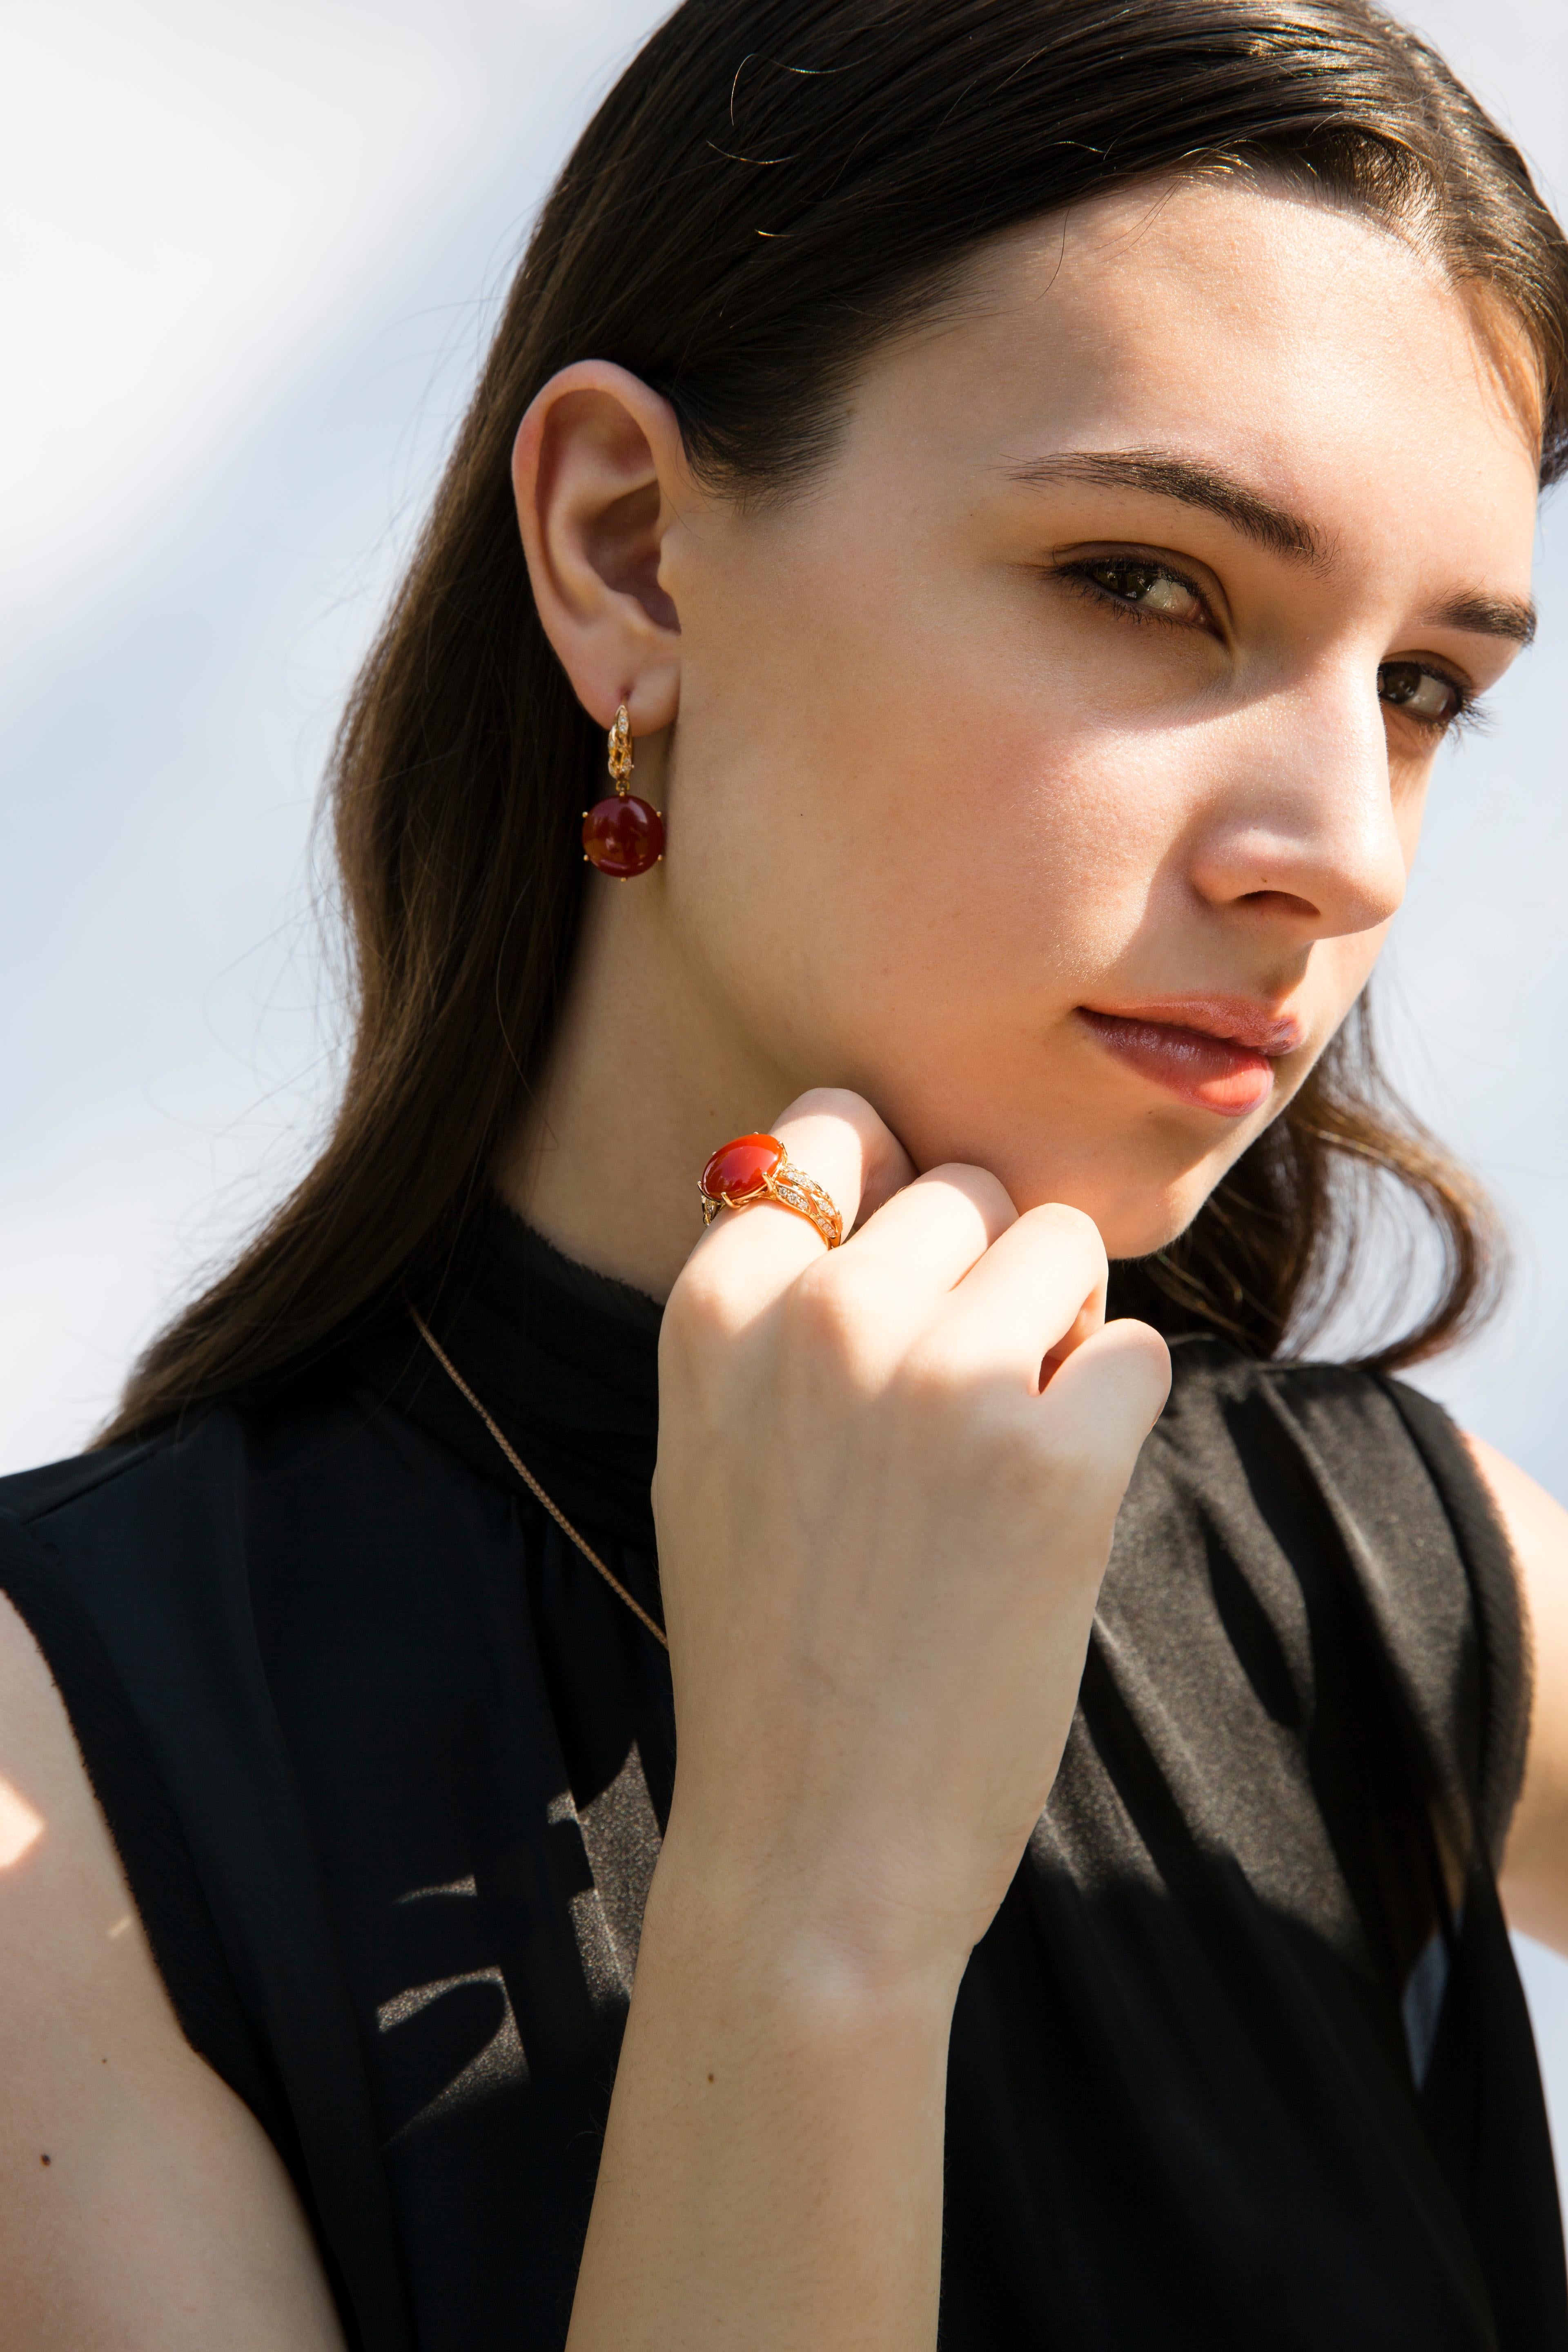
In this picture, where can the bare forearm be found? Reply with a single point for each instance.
(881, 1532)
(772, 2175)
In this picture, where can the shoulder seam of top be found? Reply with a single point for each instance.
(93, 1470)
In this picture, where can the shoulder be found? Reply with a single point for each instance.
(107, 1557)
(149, 1584)
(170, 1473)
(112, 1613)
(75, 1536)
(182, 1501)
(1346, 1428)
(1370, 1471)
(1366, 1434)
(1391, 1472)
(1535, 1879)
(28, 1495)
(139, 2184)
(158, 1579)
(1347, 1460)
(62, 1890)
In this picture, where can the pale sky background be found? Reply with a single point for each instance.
(249, 255)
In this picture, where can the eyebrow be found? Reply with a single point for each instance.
(1195, 484)
(1511, 617)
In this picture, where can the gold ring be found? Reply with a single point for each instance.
(752, 1168)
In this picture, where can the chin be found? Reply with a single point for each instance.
(1140, 1216)
(1141, 1236)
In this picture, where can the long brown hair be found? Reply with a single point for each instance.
(771, 187)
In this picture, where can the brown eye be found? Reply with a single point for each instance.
(1146, 588)
(1431, 700)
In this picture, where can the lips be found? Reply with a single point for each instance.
(1218, 1053)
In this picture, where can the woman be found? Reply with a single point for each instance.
(1026, 486)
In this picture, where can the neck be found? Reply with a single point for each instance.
(647, 1074)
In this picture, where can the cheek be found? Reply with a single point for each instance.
(948, 890)
(927, 724)
(912, 802)
(1043, 841)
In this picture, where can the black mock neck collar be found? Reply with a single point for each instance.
(565, 1360)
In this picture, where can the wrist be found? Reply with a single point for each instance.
(773, 2164)
(820, 1945)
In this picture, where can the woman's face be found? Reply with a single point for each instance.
(1078, 718)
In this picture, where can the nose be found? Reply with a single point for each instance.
(1303, 826)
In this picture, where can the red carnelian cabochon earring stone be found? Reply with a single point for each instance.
(622, 835)
(739, 1170)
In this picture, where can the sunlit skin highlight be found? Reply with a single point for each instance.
(21, 1825)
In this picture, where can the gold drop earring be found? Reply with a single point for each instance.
(622, 835)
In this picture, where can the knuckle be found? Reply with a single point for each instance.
(987, 1192)
(1148, 1366)
(833, 1302)
(1074, 1229)
(929, 1379)
(825, 1112)
(1102, 1405)
(1127, 1354)
(832, 1102)
(704, 1306)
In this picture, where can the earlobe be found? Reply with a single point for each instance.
(598, 472)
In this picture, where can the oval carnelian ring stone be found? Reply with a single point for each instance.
(623, 837)
(739, 1170)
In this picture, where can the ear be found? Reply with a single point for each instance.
(600, 476)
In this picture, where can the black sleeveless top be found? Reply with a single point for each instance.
(1243, 2062)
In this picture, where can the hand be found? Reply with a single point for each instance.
(888, 1479)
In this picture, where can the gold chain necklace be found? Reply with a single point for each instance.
(531, 1483)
